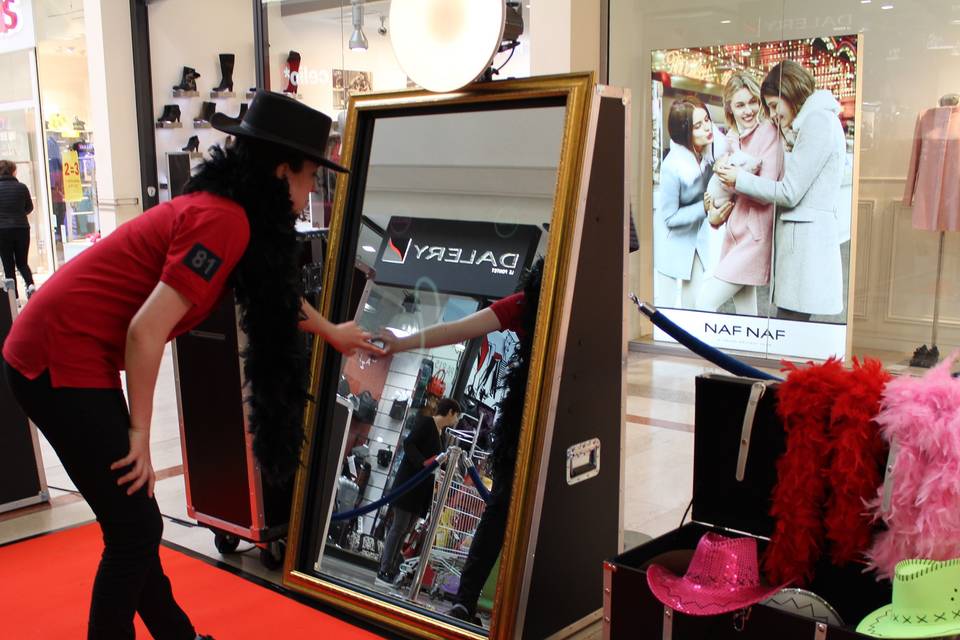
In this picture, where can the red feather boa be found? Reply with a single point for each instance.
(804, 402)
(858, 456)
(832, 465)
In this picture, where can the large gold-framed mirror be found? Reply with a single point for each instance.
(459, 237)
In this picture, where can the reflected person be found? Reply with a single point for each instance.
(517, 313)
(420, 447)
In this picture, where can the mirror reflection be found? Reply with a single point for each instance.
(456, 213)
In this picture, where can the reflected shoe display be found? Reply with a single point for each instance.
(207, 109)
(193, 145)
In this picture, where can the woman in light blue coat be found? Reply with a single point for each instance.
(807, 273)
(681, 231)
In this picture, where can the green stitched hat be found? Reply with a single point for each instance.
(926, 602)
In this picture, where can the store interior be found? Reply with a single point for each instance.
(443, 183)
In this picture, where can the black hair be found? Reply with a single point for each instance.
(507, 429)
(266, 282)
(446, 405)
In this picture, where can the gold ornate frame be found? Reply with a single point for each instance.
(576, 89)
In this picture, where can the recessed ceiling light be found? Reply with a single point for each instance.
(865, 1)
(887, 7)
(955, 22)
(725, 22)
(368, 249)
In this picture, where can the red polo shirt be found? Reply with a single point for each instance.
(76, 324)
(509, 312)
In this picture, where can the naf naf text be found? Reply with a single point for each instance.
(759, 333)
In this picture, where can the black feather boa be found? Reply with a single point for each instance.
(266, 281)
(507, 431)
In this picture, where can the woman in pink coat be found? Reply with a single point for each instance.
(745, 256)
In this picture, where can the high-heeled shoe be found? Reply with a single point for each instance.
(207, 109)
(171, 113)
(193, 144)
(188, 80)
(243, 110)
(227, 61)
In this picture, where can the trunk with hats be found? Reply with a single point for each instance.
(665, 589)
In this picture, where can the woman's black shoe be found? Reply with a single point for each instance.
(171, 113)
(188, 80)
(207, 109)
(193, 145)
(226, 72)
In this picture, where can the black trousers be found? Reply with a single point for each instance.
(14, 251)
(487, 542)
(88, 428)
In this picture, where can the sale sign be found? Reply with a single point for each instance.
(72, 185)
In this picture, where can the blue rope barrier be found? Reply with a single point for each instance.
(478, 482)
(699, 347)
(393, 495)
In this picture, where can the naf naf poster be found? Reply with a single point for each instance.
(753, 193)
(478, 259)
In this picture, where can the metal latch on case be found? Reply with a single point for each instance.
(756, 392)
(583, 461)
(820, 631)
(888, 476)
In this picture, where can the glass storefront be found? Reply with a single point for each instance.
(44, 110)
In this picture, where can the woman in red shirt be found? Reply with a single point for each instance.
(116, 305)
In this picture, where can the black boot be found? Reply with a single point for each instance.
(226, 72)
(207, 109)
(243, 110)
(193, 145)
(188, 80)
(171, 113)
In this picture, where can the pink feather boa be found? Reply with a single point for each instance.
(923, 416)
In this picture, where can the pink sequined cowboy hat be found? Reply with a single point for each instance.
(723, 577)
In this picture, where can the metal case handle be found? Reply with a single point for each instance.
(756, 392)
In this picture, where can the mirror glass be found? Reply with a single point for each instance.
(455, 212)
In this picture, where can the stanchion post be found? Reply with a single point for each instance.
(453, 465)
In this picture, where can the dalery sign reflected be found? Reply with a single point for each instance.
(471, 258)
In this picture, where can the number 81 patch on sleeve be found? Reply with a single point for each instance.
(202, 261)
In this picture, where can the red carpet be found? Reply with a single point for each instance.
(45, 587)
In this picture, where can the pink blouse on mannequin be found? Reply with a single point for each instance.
(745, 256)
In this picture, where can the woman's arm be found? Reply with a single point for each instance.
(345, 338)
(146, 337)
(27, 200)
(803, 166)
(673, 213)
(475, 325)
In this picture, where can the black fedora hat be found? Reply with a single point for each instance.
(276, 118)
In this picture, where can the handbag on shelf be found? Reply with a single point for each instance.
(438, 384)
(398, 408)
(367, 409)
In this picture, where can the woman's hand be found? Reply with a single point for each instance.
(707, 202)
(717, 217)
(348, 338)
(728, 174)
(142, 472)
(391, 343)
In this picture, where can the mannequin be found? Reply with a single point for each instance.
(935, 201)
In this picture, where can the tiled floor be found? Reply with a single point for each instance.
(659, 450)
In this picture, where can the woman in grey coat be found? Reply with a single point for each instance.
(807, 273)
(15, 204)
(681, 245)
